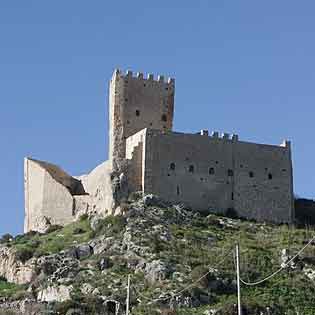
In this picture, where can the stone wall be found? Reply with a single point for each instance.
(52, 197)
(46, 197)
(136, 103)
(212, 173)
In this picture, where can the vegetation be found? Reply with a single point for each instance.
(190, 245)
(56, 239)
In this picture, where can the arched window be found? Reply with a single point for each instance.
(211, 171)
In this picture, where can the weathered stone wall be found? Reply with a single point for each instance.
(45, 197)
(99, 188)
(135, 157)
(213, 173)
(136, 103)
(54, 197)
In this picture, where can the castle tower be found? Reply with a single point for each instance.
(136, 103)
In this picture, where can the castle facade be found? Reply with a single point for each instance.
(207, 172)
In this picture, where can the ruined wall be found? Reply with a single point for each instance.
(220, 173)
(136, 103)
(54, 197)
(45, 197)
(98, 186)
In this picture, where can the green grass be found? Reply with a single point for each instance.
(36, 245)
(10, 289)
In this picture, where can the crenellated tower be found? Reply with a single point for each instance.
(135, 103)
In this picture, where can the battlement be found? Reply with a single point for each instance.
(119, 74)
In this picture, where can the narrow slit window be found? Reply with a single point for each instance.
(230, 173)
(177, 190)
(172, 166)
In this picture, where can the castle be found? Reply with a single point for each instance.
(207, 172)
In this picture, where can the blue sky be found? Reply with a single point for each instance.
(241, 66)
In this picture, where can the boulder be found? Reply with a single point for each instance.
(55, 294)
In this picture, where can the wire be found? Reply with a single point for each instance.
(280, 269)
(186, 288)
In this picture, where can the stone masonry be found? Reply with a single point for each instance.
(209, 173)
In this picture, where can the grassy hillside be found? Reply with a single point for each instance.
(165, 250)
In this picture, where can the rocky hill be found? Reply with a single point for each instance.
(179, 262)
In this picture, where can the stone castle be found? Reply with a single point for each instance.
(207, 172)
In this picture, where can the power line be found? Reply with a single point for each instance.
(280, 269)
(150, 300)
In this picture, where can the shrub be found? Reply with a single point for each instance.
(24, 253)
(53, 228)
(6, 238)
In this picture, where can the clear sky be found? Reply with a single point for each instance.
(244, 67)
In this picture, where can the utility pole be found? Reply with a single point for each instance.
(238, 279)
(128, 296)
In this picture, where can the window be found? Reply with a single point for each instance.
(232, 196)
(230, 173)
(270, 176)
(172, 166)
(211, 171)
(191, 169)
(251, 174)
(164, 117)
(177, 191)
(137, 112)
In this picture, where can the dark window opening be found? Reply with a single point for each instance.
(137, 112)
(191, 169)
(241, 166)
(172, 166)
(251, 174)
(144, 84)
(164, 117)
(284, 170)
(151, 124)
(126, 99)
(201, 179)
(232, 196)
(166, 89)
(270, 176)
(216, 162)
(230, 173)
(128, 122)
(211, 171)
(177, 191)
(168, 174)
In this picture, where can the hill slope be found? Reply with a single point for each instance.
(179, 261)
